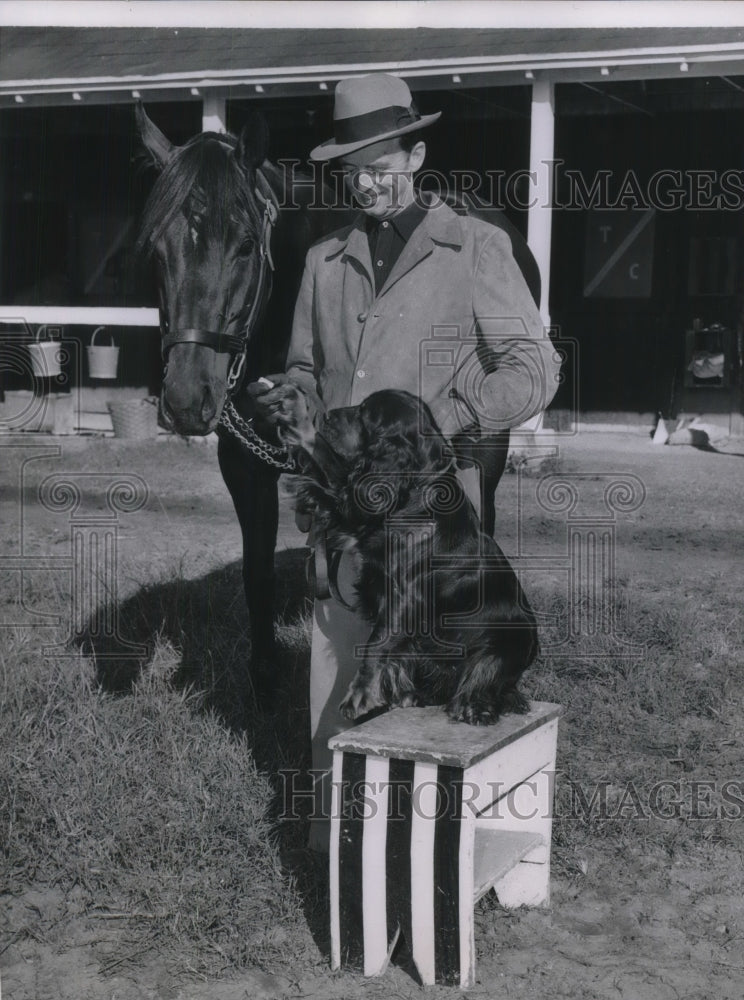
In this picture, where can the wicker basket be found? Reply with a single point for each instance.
(135, 418)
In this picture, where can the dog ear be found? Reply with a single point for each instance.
(380, 481)
(436, 453)
(409, 452)
(397, 452)
(371, 493)
(403, 432)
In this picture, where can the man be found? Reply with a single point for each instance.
(410, 296)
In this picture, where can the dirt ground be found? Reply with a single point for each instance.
(626, 920)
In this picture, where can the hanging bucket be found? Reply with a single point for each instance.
(45, 356)
(135, 418)
(102, 358)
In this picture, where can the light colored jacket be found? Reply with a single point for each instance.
(454, 323)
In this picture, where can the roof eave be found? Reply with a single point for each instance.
(640, 63)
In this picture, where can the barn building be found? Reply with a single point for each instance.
(618, 152)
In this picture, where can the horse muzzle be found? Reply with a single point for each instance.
(197, 414)
(194, 388)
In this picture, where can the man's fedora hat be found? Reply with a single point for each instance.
(369, 109)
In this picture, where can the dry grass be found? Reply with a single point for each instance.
(146, 805)
(151, 795)
(653, 738)
(158, 802)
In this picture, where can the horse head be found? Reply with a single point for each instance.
(207, 224)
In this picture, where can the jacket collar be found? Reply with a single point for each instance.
(404, 223)
(441, 225)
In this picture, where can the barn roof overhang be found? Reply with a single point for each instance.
(62, 65)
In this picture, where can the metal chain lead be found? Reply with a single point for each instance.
(246, 427)
(241, 429)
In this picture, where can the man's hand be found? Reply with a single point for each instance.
(283, 405)
(267, 395)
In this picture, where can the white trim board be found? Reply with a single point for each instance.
(80, 315)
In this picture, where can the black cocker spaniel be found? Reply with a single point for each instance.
(450, 622)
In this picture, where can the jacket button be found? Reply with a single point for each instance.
(361, 373)
(361, 317)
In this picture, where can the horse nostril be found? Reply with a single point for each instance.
(208, 408)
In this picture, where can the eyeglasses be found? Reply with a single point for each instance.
(374, 172)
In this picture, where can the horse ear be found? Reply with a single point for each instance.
(156, 144)
(253, 143)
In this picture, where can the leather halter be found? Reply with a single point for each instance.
(237, 344)
(321, 571)
(223, 343)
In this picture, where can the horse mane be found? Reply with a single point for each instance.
(205, 171)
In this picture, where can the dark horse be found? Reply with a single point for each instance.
(214, 223)
(217, 218)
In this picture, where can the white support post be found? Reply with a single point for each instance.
(542, 154)
(214, 114)
(540, 214)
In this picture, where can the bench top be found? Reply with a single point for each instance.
(428, 734)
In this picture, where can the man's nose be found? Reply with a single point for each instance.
(366, 181)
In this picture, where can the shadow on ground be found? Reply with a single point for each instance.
(203, 623)
(198, 629)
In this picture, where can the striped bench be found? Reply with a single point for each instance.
(427, 816)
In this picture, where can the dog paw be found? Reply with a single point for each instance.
(485, 712)
(476, 715)
(358, 702)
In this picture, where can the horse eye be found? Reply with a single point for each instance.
(246, 247)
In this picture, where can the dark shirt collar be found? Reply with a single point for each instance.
(404, 222)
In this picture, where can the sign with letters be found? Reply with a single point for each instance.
(619, 254)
